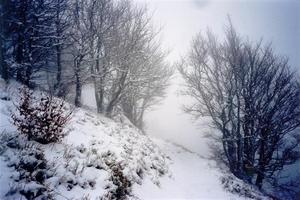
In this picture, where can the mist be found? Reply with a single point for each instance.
(273, 21)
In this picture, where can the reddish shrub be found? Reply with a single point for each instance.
(41, 119)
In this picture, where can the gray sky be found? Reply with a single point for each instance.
(274, 21)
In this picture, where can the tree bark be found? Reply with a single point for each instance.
(3, 66)
(58, 85)
(78, 83)
(261, 165)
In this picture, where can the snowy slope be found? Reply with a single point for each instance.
(83, 164)
(192, 177)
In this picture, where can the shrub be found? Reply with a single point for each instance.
(41, 119)
(32, 170)
(121, 183)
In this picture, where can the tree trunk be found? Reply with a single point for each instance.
(58, 85)
(116, 96)
(78, 93)
(259, 179)
(111, 106)
(98, 84)
(261, 165)
(101, 95)
(28, 74)
(3, 66)
(78, 83)
(99, 90)
(19, 58)
(113, 102)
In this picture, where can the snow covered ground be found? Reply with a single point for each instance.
(193, 177)
(83, 165)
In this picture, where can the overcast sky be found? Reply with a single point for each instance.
(274, 21)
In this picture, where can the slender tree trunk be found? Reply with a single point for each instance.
(98, 83)
(78, 83)
(30, 65)
(101, 95)
(249, 151)
(239, 139)
(58, 85)
(19, 58)
(113, 102)
(261, 165)
(116, 96)
(98, 95)
(28, 74)
(78, 93)
(3, 66)
(240, 151)
(111, 105)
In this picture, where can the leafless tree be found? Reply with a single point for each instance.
(62, 13)
(253, 99)
(151, 80)
(104, 17)
(123, 54)
(80, 49)
(29, 31)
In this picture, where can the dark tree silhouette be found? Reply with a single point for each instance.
(252, 97)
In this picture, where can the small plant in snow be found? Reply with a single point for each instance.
(31, 172)
(235, 186)
(40, 119)
(121, 184)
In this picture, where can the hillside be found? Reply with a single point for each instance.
(104, 159)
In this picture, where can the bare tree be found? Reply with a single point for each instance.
(62, 24)
(123, 49)
(93, 25)
(123, 53)
(151, 77)
(253, 99)
(31, 30)
(104, 17)
(210, 81)
(79, 49)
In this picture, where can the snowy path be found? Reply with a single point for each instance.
(193, 177)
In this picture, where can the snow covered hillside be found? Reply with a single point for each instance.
(104, 159)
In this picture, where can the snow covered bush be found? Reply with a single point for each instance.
(98, 158)
(244, 190)
(121, 187)
(41, 119)
(30, 167)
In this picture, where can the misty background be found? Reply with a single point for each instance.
(180, 20)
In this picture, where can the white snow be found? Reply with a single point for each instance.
(193, 177)
(157, 168)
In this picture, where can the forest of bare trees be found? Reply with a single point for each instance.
(62, 45)
(253, 98)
